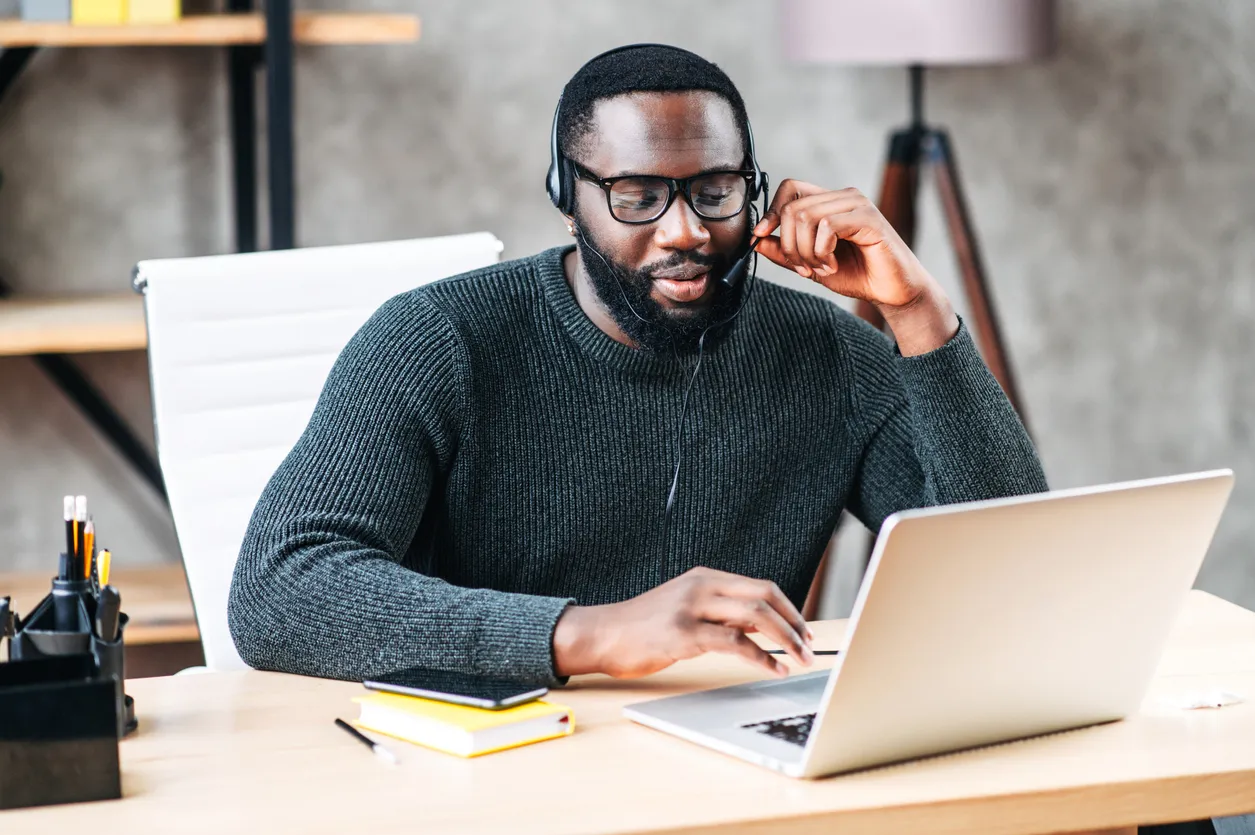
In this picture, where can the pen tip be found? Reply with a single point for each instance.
(385, 755)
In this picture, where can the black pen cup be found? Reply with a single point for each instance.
(73, 604)
(58, 732)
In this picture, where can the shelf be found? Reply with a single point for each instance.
(73, 325)
(217, 30)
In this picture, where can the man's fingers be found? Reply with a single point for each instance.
(746, 588)
(769, 248)
(809, 222)
(772, 249)
(760, 616)
(861, 225)
(805, 215)
(826, 240)
(788, 191)
(803, 224)
(727, 584)
(713, 637)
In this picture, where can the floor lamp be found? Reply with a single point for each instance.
(918, 34)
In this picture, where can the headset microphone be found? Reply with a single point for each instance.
(736, 274)
(741, 268)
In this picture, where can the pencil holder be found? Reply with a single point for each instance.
(61, 625)
(58, 732)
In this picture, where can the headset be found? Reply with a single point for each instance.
(560, 179)
(560, 184)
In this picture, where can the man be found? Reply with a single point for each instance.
(519, 472)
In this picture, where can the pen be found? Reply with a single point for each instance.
(816, 651)
(380, 752)
(108, 612)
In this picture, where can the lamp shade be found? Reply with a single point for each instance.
(924, 32)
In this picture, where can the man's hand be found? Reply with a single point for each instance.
(842, 241)
(700, 611)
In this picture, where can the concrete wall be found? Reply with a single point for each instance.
(1112, 187)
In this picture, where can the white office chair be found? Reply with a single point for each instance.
(238, 349)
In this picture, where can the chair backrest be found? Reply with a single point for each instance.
(239, 347)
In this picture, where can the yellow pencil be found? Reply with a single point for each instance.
(103, 567)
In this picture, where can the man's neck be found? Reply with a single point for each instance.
(582, 287)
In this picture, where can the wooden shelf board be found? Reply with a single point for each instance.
(217, 30)
(78, 324)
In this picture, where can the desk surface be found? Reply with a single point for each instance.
(155, 599)
(243, 752)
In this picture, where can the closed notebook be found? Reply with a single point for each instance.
(465, 731)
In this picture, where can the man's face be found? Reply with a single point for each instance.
(668, 268)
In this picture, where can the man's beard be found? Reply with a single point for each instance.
(663, 330)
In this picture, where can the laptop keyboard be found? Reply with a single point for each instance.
(793, 729)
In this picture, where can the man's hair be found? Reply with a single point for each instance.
(646, 69)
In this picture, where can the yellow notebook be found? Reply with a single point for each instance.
(464, 731)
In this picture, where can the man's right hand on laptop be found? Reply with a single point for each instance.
(702, 610)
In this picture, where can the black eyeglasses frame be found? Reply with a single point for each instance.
(674, 186)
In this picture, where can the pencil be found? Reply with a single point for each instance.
(69, 530)
(80, 516)
(89, 553)
(102, 568)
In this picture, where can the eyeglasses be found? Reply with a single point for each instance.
(716, 195)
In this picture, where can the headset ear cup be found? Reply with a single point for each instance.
(551, 186)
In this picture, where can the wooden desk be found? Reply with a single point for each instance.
(252, 752)
(161, 636)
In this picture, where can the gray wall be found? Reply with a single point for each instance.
(1112, 187)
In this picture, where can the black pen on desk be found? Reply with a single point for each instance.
(108, 613)
(815, 651)
(380, 752)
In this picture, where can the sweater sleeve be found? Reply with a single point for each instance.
(321, 587)
(944, 433)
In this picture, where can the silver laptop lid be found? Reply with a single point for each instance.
(994, 620)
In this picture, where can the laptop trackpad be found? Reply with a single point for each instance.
(730, 707)
(805, 691)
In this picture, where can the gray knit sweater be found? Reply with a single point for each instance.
(482, 455)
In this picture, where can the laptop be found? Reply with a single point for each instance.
(976, 624)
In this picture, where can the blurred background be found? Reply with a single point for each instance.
(1112, 188)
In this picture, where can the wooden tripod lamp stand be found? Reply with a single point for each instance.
(918, 34)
